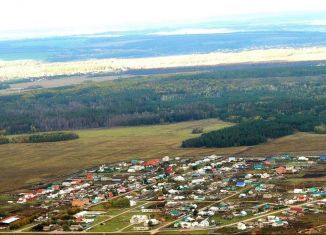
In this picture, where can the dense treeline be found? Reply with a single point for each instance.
(40, 138)
(257, 131)
(291, 97)
(249, 133)
(52, 137)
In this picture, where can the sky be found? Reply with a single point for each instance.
(61, 17)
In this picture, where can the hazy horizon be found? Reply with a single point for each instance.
(76, 31)
(37, 19)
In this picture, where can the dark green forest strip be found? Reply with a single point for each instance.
(244, 134)
(40, 138)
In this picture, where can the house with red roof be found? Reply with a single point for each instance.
(121, 190)
(56, 187)
(296, 209)
(89, 176)
(152, 162)
(76, 181)
(301, 198)
(40, 191)
(80, 202)
(169, 170)
(280, 170)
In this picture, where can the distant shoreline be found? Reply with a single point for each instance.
(21, 69)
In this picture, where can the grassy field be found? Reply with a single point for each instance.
(113, 225)
(299, 142)
(26, 164)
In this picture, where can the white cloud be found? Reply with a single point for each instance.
(318, 22)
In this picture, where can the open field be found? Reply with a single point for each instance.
(299, 142)
(31, 68)
(50, 83)
(26, 164)
(23, 164)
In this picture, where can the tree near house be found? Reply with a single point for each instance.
(120, 202)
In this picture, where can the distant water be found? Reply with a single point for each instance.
(73, 48)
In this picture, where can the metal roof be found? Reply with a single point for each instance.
(9, 220)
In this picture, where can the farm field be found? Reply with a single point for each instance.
(44, 162)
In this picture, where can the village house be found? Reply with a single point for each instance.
(137, 219)
(80, 202)
(6, 222)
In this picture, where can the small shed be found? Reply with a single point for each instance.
(9, 220)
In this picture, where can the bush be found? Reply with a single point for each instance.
(66, 227)
(320, 129)
(20, 139)
(73, 210)
(197, 130)
(120, 203)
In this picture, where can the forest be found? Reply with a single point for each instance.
(265, 102)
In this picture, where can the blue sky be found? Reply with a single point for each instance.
(32, 18)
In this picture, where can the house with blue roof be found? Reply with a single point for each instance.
(240, 184)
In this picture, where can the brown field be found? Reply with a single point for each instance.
(25, 164)
(51, 83)
(300, 142)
